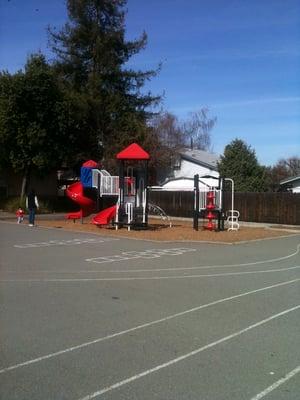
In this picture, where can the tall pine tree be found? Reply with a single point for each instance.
(92, 53)
(239, 163)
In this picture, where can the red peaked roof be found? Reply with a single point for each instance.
(133, 152)
(90, 164)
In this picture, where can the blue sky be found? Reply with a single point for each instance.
(241, 59)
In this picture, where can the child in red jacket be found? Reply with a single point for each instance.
(20, 215)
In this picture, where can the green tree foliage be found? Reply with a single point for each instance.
(92, 54)
(239, 163)
(33, 120)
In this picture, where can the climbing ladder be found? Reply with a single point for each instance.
(154, 209)
(233, 220)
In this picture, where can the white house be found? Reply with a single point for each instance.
(291, 184)
(189, 163)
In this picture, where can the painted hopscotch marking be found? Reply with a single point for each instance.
(146, 254)
(253, 263)
(88, 271)
(70, 242)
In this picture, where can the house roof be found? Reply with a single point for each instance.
(133, 152)
(289, 180)
(201, 157)
(187, 184)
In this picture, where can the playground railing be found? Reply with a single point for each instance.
(97, 175)
(109, 186)
(233, 220)
(203, 198)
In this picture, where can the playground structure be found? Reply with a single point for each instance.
(209, 205)
(129, 191)
(76, 193)
(132, 205)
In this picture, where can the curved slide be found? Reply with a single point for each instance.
(105, 216)
(75, 193)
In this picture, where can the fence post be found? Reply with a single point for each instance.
(196, 202)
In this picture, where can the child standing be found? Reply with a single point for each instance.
(20, 215)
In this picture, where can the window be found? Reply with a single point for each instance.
(176, 163)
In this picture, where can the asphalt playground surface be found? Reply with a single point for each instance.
(84, 317)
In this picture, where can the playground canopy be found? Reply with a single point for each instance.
(90, 164)
(133, 152)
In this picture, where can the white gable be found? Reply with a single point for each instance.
(188, 169)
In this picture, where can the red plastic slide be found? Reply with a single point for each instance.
(105, 216)
(75, 193)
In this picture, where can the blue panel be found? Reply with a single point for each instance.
(86, 176)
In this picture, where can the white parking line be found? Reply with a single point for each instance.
(185, 356)
(276, 384)
(147, 324)
(152, 278)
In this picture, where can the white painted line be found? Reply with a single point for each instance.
(152, 278)
(185, 356)
(271, 260)
(134, 255)
(276, 384)
(145, 325)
